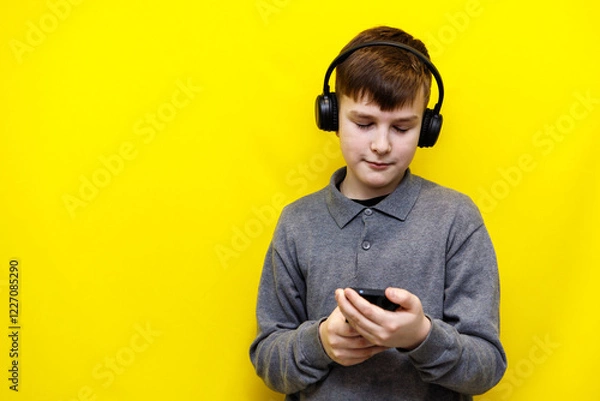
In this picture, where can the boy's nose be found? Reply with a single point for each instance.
(380, 143)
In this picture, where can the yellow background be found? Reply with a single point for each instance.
(148, 147)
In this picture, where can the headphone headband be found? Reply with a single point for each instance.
(434, 71)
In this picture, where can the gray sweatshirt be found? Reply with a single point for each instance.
(425, 238)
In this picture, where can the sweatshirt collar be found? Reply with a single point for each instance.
(398, 204)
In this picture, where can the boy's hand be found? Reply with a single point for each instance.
(342, 343)
(406, 327)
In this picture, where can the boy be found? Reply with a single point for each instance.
(376, 225)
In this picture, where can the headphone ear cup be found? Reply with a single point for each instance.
(326, 112)
(430, 128)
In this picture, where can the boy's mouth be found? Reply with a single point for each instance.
(378, 165)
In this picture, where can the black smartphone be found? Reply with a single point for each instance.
(377, 297)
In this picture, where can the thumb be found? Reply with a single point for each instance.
(401, 297)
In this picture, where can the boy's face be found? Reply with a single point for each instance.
(377, 145)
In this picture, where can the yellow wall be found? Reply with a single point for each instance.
(148, 147)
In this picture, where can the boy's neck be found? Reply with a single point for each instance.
(365, 202)
(370, 202)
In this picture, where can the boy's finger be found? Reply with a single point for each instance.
(405, 299)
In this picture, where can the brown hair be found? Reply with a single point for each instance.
(386, 75)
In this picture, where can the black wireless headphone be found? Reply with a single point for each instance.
(326, 107)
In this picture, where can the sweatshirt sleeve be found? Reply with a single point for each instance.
(287, 352)
(462, 351)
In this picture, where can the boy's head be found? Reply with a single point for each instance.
(379, 109)
(386, 67)
(387, 76)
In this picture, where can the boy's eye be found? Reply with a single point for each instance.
(366, 126)
(363, 126)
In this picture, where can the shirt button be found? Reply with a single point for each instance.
(368, 212)
(366, 245)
